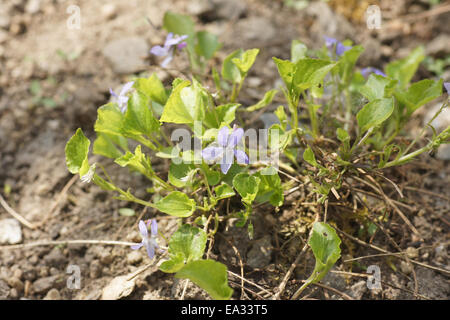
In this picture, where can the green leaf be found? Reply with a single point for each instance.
(223, 191)
(137, 161)
(230, 71)
(77, 149)
(109, 120)
(281, 114)
(139, 119)
(377, 87)
(268, 97)
(179, 174)
(286, 69)
(176, 204)
(127, 212)
(212, 176)
(310, 72)
(247, 186)
(404, 69)
(419, 93)
(106, 145)
(245, 62)
(374, 113)
(209, 275)
(153, 88)
(308, 156)
(175, 110)
(207, 44)
(179, 24)
(270, 188)
(221, 115)
(325, 245)
(186, 244)
(298, 51)
(347, 62)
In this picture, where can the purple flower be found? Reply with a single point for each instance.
(225, 149)
(340, 48)
(122, 98)
(150, 243)
(366, 71)
(447, 87)
(169, 48)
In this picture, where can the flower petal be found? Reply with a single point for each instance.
(227, 160)
(137, 246)
(167, 60)
(241, 156)
(330, 42)
(340, 48)
(126, 87)
(447, 87)
(222, 136)
(212, 153)
(154, 227)
(159, 51)
(182, 45)
(235, 137)
(150, 250)
(143, 229)
(112, 93)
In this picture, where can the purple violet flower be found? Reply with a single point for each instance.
(122, 98)
(340, 48)
(150, 243)
(447, 87)
(169, 48)
(366, 71)
(226, 149)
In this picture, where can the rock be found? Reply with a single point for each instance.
(109, 11)
(438, 47)
(256, 28)
(33, 6)
(328, 23)
(335, 280)
(127, 55)
(260, 253)
(442, 121)
(412, 253)
(10, 231)
(95, 269)
(55, 258)
(3, 36)
(106, 257)
(443, 152)
(440, 251)
(5, 20)
(134, 257)
(406, 267)
(4, 290)
(358, 289)
(199, 7)
(372, 52)
(118, 288)
(44, 284)
(229, 9)
(53, 294)
(16, 283)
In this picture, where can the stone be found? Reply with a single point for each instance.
(127, 55)
(406, 267)
(412, 253)
(10, 231)
(134, 257)
(439, 46)
(199, 7)
(106, 257)
(260, 253)
(118, 288)
(3, 36)
(4, 290)
(42, 285)
(55, 258)
(16, 283)
(229, 9)
(109, 11)
(256, 28)
(53, 294)
(33, 6)
(358, 289)
(95, 269)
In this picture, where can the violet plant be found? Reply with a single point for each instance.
(362, 117)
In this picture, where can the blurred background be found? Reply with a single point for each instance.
(59, 58)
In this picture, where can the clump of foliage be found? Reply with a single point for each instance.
(338, 122)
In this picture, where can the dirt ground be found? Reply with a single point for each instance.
(52, 80)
